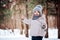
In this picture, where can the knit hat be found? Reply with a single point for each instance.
(37, 8)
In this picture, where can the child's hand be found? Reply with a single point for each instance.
(22, 17)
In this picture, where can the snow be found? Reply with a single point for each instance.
(9, 35)
(53, 33)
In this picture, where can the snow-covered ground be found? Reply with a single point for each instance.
(9, 35)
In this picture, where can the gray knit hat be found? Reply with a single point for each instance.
(38, 8)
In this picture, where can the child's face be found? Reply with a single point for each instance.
(36, 13)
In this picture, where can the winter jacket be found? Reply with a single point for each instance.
(37, 27)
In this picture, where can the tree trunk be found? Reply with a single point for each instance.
(58, 21)
(27, 27)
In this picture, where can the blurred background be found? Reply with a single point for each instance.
(11, 23)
